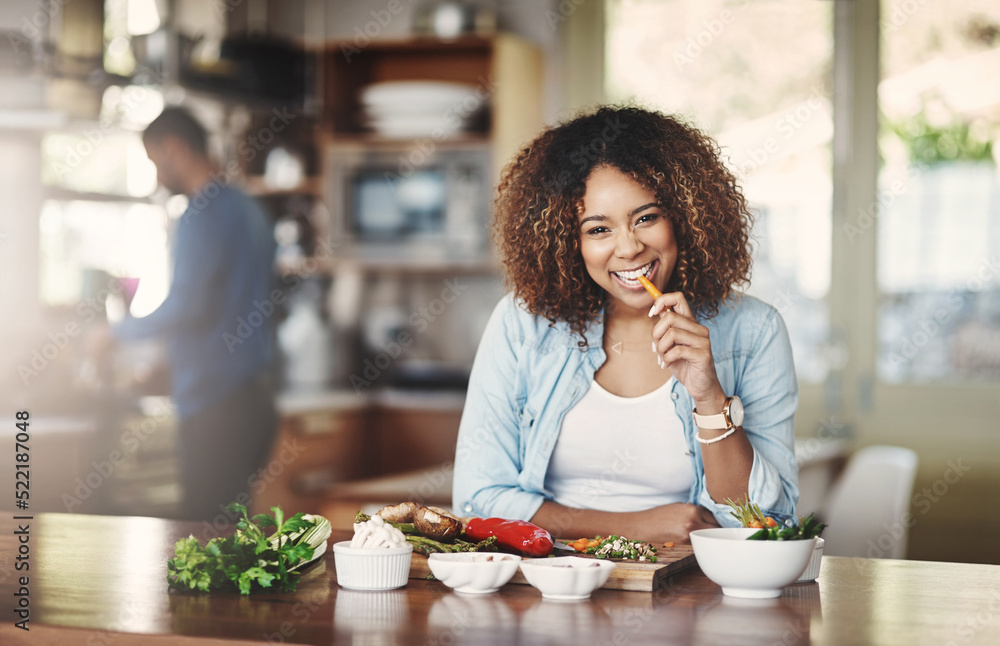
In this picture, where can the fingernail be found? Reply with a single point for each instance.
(653, 343)
(652, 310)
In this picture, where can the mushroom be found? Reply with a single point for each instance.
(401, 513)
(436, 523)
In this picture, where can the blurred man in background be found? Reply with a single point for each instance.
(220, 365)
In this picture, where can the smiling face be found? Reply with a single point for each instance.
(624, 232)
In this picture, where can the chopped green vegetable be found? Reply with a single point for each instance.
(619, 547)
(806, 528)
(247, 557)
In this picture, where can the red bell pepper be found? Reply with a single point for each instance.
(519, 535)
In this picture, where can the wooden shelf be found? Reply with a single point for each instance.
(256, 186)
(399, 261)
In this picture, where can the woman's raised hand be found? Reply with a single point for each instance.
(683, 346)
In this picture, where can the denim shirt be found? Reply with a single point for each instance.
(528, 373)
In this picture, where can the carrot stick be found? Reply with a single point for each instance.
(650, 287)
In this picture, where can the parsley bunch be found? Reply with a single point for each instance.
(249, 557)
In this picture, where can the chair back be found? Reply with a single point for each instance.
(868, 511)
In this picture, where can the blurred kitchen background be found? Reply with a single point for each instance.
(865, 133)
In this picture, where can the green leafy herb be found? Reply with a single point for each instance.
(249, 560)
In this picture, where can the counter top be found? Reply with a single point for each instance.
(297, 403)
(102, 580)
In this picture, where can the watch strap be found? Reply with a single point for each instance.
(717, 422)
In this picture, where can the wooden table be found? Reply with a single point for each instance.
(101, 580)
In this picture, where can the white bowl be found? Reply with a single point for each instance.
(749, 569)
(473, 572)
(567, 577)
(812, 570)
(373, 568)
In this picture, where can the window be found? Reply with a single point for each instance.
(715, 62)
(938, 220)
(99, 226)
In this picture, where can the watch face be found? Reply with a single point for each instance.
(736, 411)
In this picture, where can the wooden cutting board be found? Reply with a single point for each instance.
(628, 575)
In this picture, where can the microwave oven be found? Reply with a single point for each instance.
(389, 194)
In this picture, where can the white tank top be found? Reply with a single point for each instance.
(620, 453)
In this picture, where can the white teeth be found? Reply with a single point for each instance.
(633, 276)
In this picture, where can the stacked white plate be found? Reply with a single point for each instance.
(408, 109)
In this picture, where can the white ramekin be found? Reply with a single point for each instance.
(372, 569)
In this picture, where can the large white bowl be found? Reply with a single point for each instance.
(749, 569)
(567, 577)
(373, 568)
(473, 572)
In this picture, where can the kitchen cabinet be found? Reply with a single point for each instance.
(328, 441)
(415, 430)
(322, 439)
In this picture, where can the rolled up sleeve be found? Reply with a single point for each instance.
(488, 460)
(768, 389)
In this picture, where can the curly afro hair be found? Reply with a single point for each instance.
(540, 196)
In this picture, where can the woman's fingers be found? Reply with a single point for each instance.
(674, 301)
(680, 337)
(681, 353)
(673, 320)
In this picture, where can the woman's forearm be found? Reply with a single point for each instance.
(727, 465)
(673, 522)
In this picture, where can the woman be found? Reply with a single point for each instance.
(582, 404)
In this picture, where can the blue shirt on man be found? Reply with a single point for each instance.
(215, 316)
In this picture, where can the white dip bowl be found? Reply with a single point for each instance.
(749, 569)
(372, 568)
(567, 577)
(473, 572)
